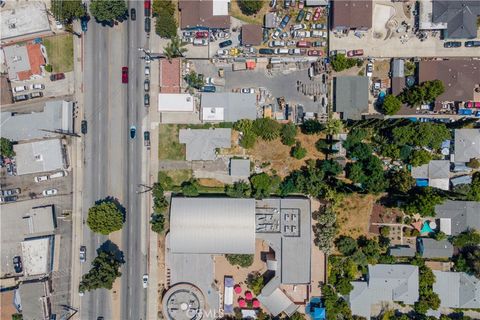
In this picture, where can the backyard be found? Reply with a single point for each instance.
(353, 215)
(60, 52)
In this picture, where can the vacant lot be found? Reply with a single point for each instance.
(60, 52)
(353, 215)
(168, 147)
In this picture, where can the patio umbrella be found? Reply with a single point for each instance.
(242, 303)
(248, 296)
(237, 289)
(256, 303)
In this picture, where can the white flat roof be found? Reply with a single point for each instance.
(213, 114)
(220, 7)
(175, 102)
(26, 18)
(39, 156)
(36, 256)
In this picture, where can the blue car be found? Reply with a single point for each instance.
(83, 23)
(133, 132)
(284, 22)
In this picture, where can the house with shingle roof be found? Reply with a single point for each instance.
(458, 216)
(467, 145)
(457, 289)
(437, 172)
(431, 248)
(460, 17)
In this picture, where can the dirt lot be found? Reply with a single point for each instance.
(353, 216)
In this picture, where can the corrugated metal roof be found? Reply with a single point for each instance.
(235, 105)
(212, 225)
(351, 96)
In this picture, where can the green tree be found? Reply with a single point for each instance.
(354, 137)
(248, 140)
(330, 167)
(339, 62)
(470, 237)
(346, 245)
(190, 188)
(375, 181)
(423, 134)
(165, 181)
(239, 189)
(160, 203)
(266, 128)
(157, 220)
(242, 260)
(439, 236)
(420, 157)
(17, 316)
(325, 230)
(355, 172)
(164, 12)
(108, 10)
(298, 152)
(360, 151)
(67, 10)
(401, 180)
(104, 271)
(194, 80)
(334, 126)
(243, 125)
(255, 283)
(105, 217)
(297, 316)
(174, 49)
(469, 261)
(391, 105)
(474, 191)
(6, 148)
(312, 126)
(263, 185)
(426, 92)
(423, 201)
(250, 7)
(288, 134)
(473, 163)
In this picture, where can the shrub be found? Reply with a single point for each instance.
(298, 152)
(288, 134)
(250, 7)
(243, 260)
(266, 128)
(190, 188)
(48, 68)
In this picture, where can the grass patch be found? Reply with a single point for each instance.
(60, 52)
(177, 176)
(253, 19)
(169, 148)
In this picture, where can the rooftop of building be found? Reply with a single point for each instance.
(351, 96)
(204, 13)
(201, 144)
(26, 18)
(228, 106)
(170, 73)
(39, 156)
(352, 14)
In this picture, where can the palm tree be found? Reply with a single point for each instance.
(334, 126)
(174, 49)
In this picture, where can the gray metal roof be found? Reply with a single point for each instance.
(402, 251)
(33, 297)
(457, 289)
(461, 180)
(467, 144)
(431, 248)
(270, 20)
(24, 18)
(316, 3)
(386, 282)
(236, 106)
(17, 60)
(420, 172)
(212, 225)
(39, 156)
(460, 16)
(277, 303)
(351, 96)
(40, 220)
(435, 169)
(56, 115)
(462, 215)
(398, 68)
(240, 167)
(201, 143)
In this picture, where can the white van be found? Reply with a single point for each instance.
(20, 89)
(58, 174)
(281, 51)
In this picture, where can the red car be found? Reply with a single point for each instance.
(57, 76)
(201, 34)
(147, 6)
(314, 53)
(355, 53)
(471, 104)
(317, 14)
(124, 74)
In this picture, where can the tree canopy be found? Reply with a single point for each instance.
(420, 157)
(263, 185)
(105, 217)
(426, 92)
(391, 105)
(298, 152)
(239, 189)
(174, 49)
(423, 201)
(190, 188)
(108, 10)
(288, 134)
(67, 10)
(250, 7)
(312, 126)
(339, 62)
(6, 148)
(242, 260)
(401, 181)
(266, 128)
(474, 190)
(422, 134)
(164, 13)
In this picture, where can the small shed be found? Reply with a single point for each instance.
(240, 168)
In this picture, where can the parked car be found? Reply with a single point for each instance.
(470, 44)
(314, 53)
(20, 89)
(301, 4)
(369, 69)
(37, 86)
(147, 25)
(276, 34)
(147, 4)
(201, 34)
(83, 254)
(58, 174)
(124, 74)
(300, 16)
(146, 85)
(146, 139)
(308, 16)
(355, 53)
(145, 280)
(299, 26)
(200, 42)
(265, 51)
(57, 76)
(319, 34)
(304, 44)
(147, 70)
(133, 132)
(319, 44)
(83, 127)
(10, 192)
(22, 97)
(49, 192)
(146, 100)
(317, 14)
(17, 264)
(133, 14)
(318, 26)
(40, 178)
(278, 43)
(248, 90)
(452, 44)
(297, 51)
(285, 21)
(84, 23)
(208, 89)
(209, 81)
(222, 52)
(8, 199)
(281, 51)
(34, 95)
(225, 44)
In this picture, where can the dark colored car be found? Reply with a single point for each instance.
(146, 139)
(84, 23)
(470, 44)
(34, 95)
(284, 22)
(133, 132)
(22, 97)
(301, 15)
(124, 74)
(83, 127)
(209, 89)
(265, 51)
(17, 264)
(133, 14)
(146, 100)
(452, 44)
(57, 76)
(9, 199)
(146, 85)
(147, 25)
(225, 44)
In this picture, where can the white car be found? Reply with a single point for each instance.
(37, 86)
(248, 90)
(40, 178)
(209, 81)
(369, 70)
(20, 89)
(145, 280)
(147, 70)
(222, 52)
(49, 192)
(59, 25)
(58, 174)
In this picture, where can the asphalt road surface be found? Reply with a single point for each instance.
(112, 161)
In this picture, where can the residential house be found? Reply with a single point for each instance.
(457, 290)
(351, 96)
(385, 282)
(437, 172)
(458, 216)
(460, 17)
(25, 62)
(351, 15)
(431, 248)
(170, 75)
(467, 145)
(402, 251)
(398, 76)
